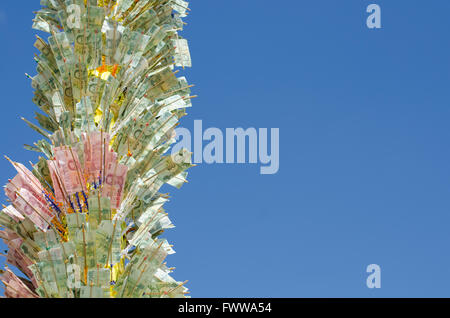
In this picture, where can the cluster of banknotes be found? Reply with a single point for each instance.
(86, 219)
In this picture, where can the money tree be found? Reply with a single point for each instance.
(85, 220)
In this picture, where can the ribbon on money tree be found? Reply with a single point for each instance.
(86, 220)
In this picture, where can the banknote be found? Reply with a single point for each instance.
(114, 182)
(99, 208)
(32, 208)
(182, 54)
(70, 170)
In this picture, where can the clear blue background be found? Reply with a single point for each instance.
(364, 160)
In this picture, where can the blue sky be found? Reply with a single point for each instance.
(364, 146)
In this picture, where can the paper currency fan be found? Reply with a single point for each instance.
(86, 220)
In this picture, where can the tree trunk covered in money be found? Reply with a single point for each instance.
(85, 220)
